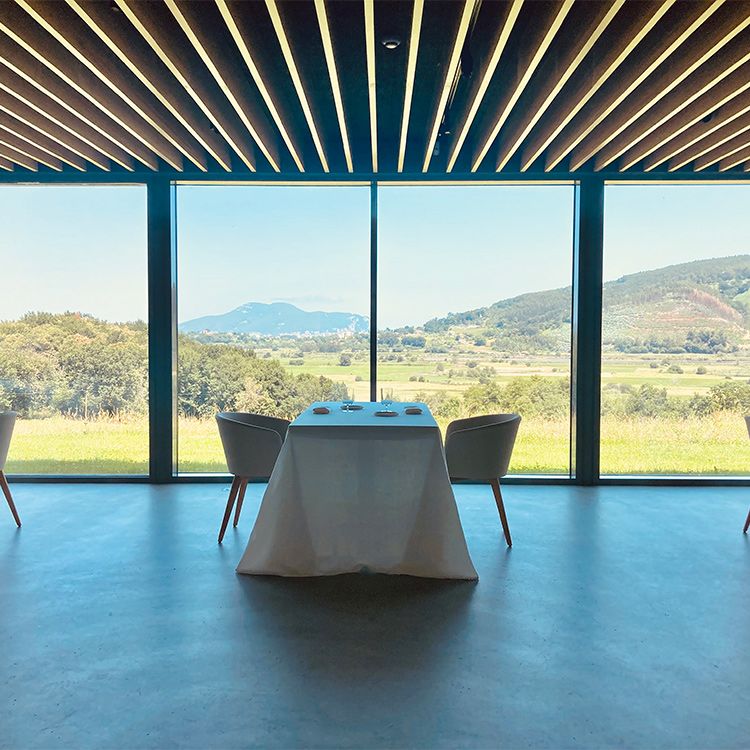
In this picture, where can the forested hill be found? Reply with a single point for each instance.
(701, 306)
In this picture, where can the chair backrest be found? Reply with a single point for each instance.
(480, 448)
(251, 442)
(747, 424)
(7, 423)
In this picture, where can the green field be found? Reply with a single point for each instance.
(717, 444)
(695, 446)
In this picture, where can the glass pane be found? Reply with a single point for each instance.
(676, 333)
(474, 308)
(273, 305)
(73, 341)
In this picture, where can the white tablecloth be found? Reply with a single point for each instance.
(351, 491)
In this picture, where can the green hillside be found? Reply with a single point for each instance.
(701, 307)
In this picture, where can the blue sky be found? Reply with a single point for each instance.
(441, 249)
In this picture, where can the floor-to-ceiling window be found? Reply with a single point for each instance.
(273, 305)
(676, 329)
(73, 336)
(474, 308)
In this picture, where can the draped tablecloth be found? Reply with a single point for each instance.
(352, 492)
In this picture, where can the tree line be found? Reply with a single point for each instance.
(78, 366)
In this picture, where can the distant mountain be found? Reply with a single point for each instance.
(276, 319)
(668, 309)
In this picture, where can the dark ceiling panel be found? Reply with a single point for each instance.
(282, 86)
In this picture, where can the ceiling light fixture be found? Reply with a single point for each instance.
(391, 42)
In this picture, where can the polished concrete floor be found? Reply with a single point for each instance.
(620, 618)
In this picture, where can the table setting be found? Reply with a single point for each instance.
(360, 487)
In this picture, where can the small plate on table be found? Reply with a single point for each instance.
(351, 407)
(386, 413)
(412, 410)
(321, 410)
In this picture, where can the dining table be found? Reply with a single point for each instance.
(360, 487)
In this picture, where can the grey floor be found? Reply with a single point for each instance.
(621, 618)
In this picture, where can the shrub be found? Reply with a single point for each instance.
(649, 401)
(675, 369)
(732, 396)
(701, 370)
(533, 396)
(413, 340)
(345, 360)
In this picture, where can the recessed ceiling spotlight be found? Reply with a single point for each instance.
(391, 42)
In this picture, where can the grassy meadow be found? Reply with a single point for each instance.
(716, 444)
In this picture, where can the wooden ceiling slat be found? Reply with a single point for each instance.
(48, 126)
(727, 147)
(164, 46)
(726, 142)
(325, 35)
(411, 70)
(586, 38)
(35, 120)
(371, 79)
(52, 98)
(97, 113)
(462, 30)
(603, 142)
(714, 147)
(740, 157)
(66, 28)
(665, 137)
(712, 85)
(58, 58)
(346, 23)
(250, 62)
(299, 89)
(103, 22)
(695, 138)
(226, 77)
(570, 105)
(22, 160)
(551, 25)
(482, 82)
(8, 138)
(636, 85)
(687, 21)
(34, 138)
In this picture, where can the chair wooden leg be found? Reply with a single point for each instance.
(495, 484)
(744, 531)
(9, 498)
(230, 502)
(240, 498)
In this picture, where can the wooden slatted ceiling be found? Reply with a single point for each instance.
(561, 87)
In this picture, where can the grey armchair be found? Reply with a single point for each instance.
(479, 448)
(7, 423)
(251, 445)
